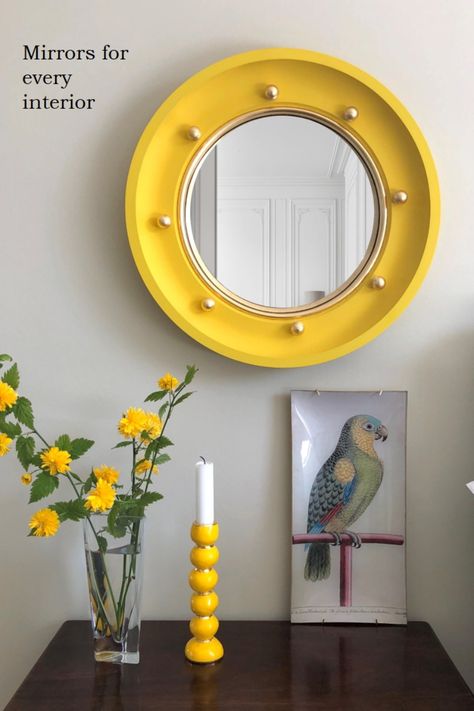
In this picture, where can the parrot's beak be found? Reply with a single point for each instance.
(381, 433)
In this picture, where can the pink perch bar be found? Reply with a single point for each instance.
(388, 538)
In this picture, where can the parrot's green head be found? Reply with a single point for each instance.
(363, 430)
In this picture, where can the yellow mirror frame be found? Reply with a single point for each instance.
(369, 116)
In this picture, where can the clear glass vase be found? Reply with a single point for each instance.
(114, 575)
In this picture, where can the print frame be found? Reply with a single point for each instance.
(349, 475)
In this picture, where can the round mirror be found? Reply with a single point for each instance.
(289, 178)
(282, 212)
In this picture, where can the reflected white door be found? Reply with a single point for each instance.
(312, 239)
(243, 248)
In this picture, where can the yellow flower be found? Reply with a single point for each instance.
(102, 497)
(56, 460)
(152, 427)
(133, 422)
(44, 523)
(8, 396)
(168, 382)
(108, 474)
(143, 466)
(26, 478)
(5, 443)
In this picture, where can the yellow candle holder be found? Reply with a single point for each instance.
(204, 647)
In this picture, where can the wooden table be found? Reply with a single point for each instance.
(267, 665)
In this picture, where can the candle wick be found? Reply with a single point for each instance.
(201, 457)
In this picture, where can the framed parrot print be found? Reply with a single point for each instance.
(349, 462)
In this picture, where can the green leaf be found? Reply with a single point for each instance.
(151, 449)
(43, 485)
(162, 459)
(123, 444)
(191, 371)
(102, 541)
(79, 446)
(162, 410)
(4, 357)
(88, 484)
(12, 377)
(36, 460)
(149, 498)
(63, 442)
(158, 395)
(163, 442)
(156, 446)
(70, 510)
(24, 412)
(116, 525)
(25, 449)
(123, 515)
(182, 398)
(11, 429)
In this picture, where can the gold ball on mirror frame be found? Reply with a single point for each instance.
(378, 282)
(207, 304)
(297, 328)
(194, 133)
(164, 221)
(399, 197)
(351, 113)
(271, 92)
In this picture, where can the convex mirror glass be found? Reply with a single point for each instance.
(282, 212)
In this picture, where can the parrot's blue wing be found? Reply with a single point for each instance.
(328, 495)
(317, 528)
(349, 490)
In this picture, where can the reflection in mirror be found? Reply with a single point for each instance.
(282, 211)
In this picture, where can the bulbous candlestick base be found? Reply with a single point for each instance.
(204, 652)
(204, 647)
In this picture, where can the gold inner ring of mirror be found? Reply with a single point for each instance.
(378, 230)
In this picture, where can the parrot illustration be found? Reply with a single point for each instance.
(343, 488)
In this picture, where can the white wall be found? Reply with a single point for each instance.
(91, 340)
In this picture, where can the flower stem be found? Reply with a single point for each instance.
(172, 398)
(134, 461)
(127, 578)
(40, 437)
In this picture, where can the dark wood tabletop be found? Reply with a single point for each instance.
(267, 665)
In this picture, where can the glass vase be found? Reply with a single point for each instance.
(114, 576)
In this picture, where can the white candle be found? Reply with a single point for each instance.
(204, 492)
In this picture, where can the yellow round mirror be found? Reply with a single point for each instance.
(282, 207)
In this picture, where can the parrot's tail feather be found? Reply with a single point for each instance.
(318, 562)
